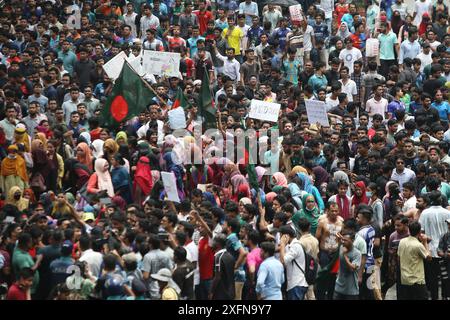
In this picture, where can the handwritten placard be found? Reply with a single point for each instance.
(266, 111)
(317, 112)
(161, 63)
(170, 186)
(296, 12)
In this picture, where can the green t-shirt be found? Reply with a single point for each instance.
(387, 42)
(22, 259)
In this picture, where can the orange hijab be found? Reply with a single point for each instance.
(87, 159)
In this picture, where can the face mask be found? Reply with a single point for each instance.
(369, 194)
(17, 196)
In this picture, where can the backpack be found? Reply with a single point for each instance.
(310, 270)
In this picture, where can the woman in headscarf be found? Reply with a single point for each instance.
(396, 22)
(321, 176)
(44, 127)
(41, 136)
(341, 175)
(21, 136)
(296, 195)
(310, 212)
(60, 207)
(85, 137)
(359, 196)
(231, 170)
(13, 170)
(16, 199)
(97, 148)
(76, 175)
(217, 170)
(41, 167)
(297, 169)
(240, 187)
(143, 180)
(242, 202)
(121, 138)
(306, 185)
(56, 166)
(121, 179)
(279, 179)
(224, 196)
(100, 180)
(270, 197)
(343, 31)
(110, 148)
(84, 155)
(199, 174)
(423, 25)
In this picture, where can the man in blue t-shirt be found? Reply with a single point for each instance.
(367, 232)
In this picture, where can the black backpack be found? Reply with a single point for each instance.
(310, 269)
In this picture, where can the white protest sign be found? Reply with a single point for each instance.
(135, 63)
(114, 66)
(266, 111)
(296, 12)
(317, 112)
(161, 63)
(170, 186)
(177, 118)
(372, 47)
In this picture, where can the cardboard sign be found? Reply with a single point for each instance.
(161, 63)
(266, 111)
(170, 186)
(296, 12)
(114, 66)
(177, 118)
(317, 112)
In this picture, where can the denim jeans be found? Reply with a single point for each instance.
(297, 293)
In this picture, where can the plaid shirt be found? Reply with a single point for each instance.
(358, 81)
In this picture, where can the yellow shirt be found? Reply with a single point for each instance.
(169, 294)
(234, 39)
(412, 253)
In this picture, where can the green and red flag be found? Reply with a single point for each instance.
(129, 97)
(250, 165)
(205, 104)
(180, 100)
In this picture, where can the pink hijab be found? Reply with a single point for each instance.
(280, 179)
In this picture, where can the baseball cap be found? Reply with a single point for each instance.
(88, 216)
(66, 247)
(58, 61)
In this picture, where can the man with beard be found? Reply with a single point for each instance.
(361, 160)
(410, 154)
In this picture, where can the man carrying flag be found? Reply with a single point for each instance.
(130, 95)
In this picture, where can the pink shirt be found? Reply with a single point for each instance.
(254, 258)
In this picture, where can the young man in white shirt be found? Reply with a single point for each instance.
(378, 104)
(349, 55)
(292, 256)
(348, 85)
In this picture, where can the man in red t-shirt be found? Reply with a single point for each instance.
(205, 256)
(21, 290)
(203, 17)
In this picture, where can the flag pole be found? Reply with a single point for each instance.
(146, 84)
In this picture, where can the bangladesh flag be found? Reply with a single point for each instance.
(128, 98)
(205, 104)
(252, 176)
(180, 100)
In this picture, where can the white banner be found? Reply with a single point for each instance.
(317, 112)
(170, 186)
(114, 66)
(266, 111)
(161, 63)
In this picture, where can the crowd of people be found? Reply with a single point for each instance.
(347, 211)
